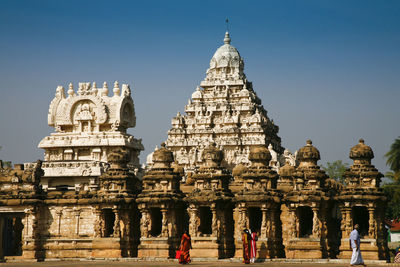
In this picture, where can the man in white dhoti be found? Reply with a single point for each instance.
(354, 242)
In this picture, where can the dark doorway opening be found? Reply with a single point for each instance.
(109, 221)
(12, 236)
(156, 221)
(361, 217)
(305, 221)
(255, 219)
(205, 221)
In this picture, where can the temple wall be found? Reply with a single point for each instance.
(70, 221)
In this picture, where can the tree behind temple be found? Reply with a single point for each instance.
(392, 190)
(393, 159)
(335, 170)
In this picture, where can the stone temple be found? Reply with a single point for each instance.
(221, 170)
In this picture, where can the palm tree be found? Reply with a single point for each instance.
(393, 158)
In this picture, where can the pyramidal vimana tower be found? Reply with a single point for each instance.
(224, 110)
(221, 170)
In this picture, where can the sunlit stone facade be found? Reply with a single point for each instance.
(225, 110)
(222, 170)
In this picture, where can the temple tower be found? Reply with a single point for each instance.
(162, 208)
(363, 202)
(210, 208)
(90, 175)
(225, 110)
(258, 206)
(89, 125)
(308, 213)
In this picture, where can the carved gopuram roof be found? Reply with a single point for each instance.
(225, 110)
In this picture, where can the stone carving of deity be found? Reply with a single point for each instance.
(144, 225)
(288, 158)
(84, 114)
(194, 222)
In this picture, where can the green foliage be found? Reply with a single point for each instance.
(392, 192)
(335, 170)
(393, 159)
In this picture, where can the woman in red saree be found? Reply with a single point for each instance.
(186, 245)
(246, 239)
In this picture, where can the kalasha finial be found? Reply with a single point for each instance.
(70, 89)
(116, 89)
(361, 141)
(227, 39)
(309, 142)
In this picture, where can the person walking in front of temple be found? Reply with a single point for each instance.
(186, 245)
(254, 238)
(354, 242)
(246, 239)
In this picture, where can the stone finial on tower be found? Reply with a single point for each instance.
(361, 154)
(105, 89)
(259, 156)
(227, 39)
(308, 155)
(116, 89)
(212, 156)
(71, 89)
(362, 172)
(162, 158)
(94, 88)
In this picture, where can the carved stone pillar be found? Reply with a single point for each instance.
(349, 222)
(214, 222)
(264, 232)
(164, 229)
(59, 214)
(117, 227)
(371, 230)
(293, 226)
(316, 223)
(98, 223)
(77, 218)
(194, 221)
(244, 218)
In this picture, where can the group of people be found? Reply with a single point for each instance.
(249, 247)
(249, 239)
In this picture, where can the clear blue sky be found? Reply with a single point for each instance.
(325, 70)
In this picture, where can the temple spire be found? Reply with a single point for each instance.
(227, 39)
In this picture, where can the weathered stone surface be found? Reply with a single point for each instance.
(86, 199)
